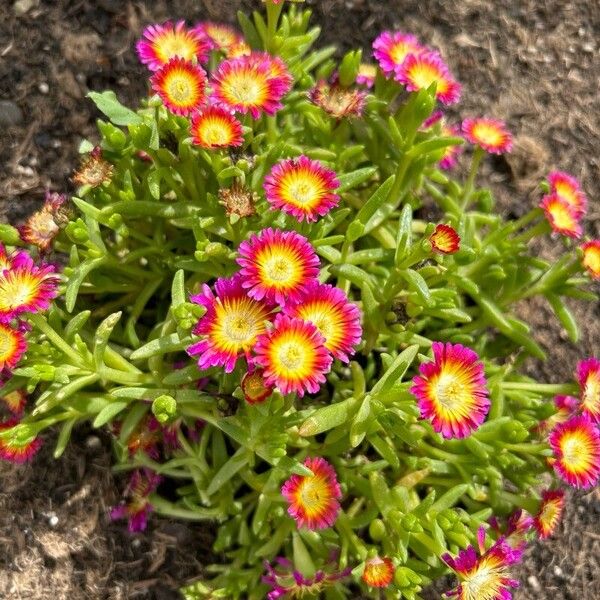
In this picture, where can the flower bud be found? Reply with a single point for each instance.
(164, 408)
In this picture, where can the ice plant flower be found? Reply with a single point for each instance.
(378, 572)
(391, 48)
(518, 525)
(215, 127)
(489, 134)
(231, 325)
(26, 287)
(550, 512)
(576, 447)
(445, 240)
(93, 170)
(313, 499)
(254, 387)
(565, 407)
(17, 443)
(12, 346)
(568, 188)
(144, 438)
(451, 391)
(337, 319)
(15, 401)
(278, 70)
(160, 43)
(484, 577)
(302, 187)
(246, 85)
(238, 200)
(419, 71)
(591, 258)
(181, 86)
(286, 582)
(218, 35)
(238, 49)
(366, 75)
(588, 376)
(137, 509)
(561, 216)
(337, 100)
(277, 265)
(39, 230)
(293, 356)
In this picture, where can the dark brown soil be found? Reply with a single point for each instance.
(533, 62)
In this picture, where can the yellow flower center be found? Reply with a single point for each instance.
(561, 215)
(575, 452)
(7, 343)
(451, 393)
(487, 134)
(291, 356)
(399, 52)
(591, 259)
(485, 583)
(238, 323)
(179, 88)
(591, 393)
(173, 44)
(278, 269)
(215, 133)
(245, 89)
(15, 291)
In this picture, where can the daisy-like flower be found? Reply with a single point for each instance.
(160, 43)
(287, 582)
(12, 346)
(246, 85)
(451, 391)
(94, 170)
(215, 127)
(550, 512)
(366, 75)
(181, 86)
(591, 258)
(218, 35)
(576, 446)
(379, 572)
(138, 507)
(278, 70)
(489, 134)
(484, 577)
(231, 325)
(302, 187)
(568, 188)
(238, 200)
(26, 287)
(445, 240)
(254, 387)
(337, 319)
(15, 401)
(277, 265)
(588, 376)
(337, 100)
(293, 356)
(391, 48)
(561, 216)
(419, 71)
(17, 444)
(313, 499)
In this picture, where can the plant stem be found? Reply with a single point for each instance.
(40, 322)
(478, 154)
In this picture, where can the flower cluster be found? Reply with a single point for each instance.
(565, 204)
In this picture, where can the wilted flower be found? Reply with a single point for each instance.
(238, 200)
(391, 49)
(451, 391)
(550, 512)
(561, 216)
(137, 509)
(93, 170)
(144, 438)
(302, 187)
(489, 134)
(591, 258)
(215, 127)
(518, 525)
(379, 572)
(254, 387)
(15, 401)
(337, 100)
(313, 499)
(588, 377)
(565, 407)
(445, 239)
(39, 230)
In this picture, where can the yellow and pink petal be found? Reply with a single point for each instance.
(17, 444)
(15, 401)
(218, 35)
(293, 356)
(391, 48)
(12, 346)
(569, 189)
(489, 134)
(550, 512)
(562, 217)
(313, 499)
(591, 258)
(588, 377)
(215, 127)
(378, 572)
(367, 74)
(451, 391)
(302, 187)
(254, 387)
(445, 239)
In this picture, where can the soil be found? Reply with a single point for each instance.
(534, 63)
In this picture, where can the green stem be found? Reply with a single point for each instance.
(273, 14)
(538, 229)
(478, 155)
(40, 322)
(547, 389)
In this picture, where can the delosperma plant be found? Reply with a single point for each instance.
(298, 323)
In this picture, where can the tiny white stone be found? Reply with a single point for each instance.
(53, 520)
(44, 87)
(532, 580)
(558, 571)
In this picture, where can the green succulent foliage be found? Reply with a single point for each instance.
(141, 243)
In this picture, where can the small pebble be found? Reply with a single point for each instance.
(136, 543)
(10, 113)
(558, 571)
(22, 7)
(533, 582)
(44, 87)
(93, 442)
(53, 520)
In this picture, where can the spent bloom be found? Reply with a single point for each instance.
(419, 71)
(576, 447)
(238, 200)
(313, 499)
(43, 226)
(484, 577)
(337, 319)
(231, 325)
(160, 43)
(215, 127)
(15, 401)
(137, 509)
(181, 86)
(489, 134)
(445, 240)
(518, 525)
(293, 356)
(366, 75)
(591, 258)
(568, 188)
(391, 49)
(451, 391)
(12, 346)
(337, 100)
(588, 377)
(378, 572)
(561, 216)
(277, 265)
(93, 170)
(254, 387)
(550, 512)
(17, 442)
(302, 187)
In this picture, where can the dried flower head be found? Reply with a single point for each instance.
(238, 200)
(93, 170)
(337, 100)
(254, 386)
(137, 509)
